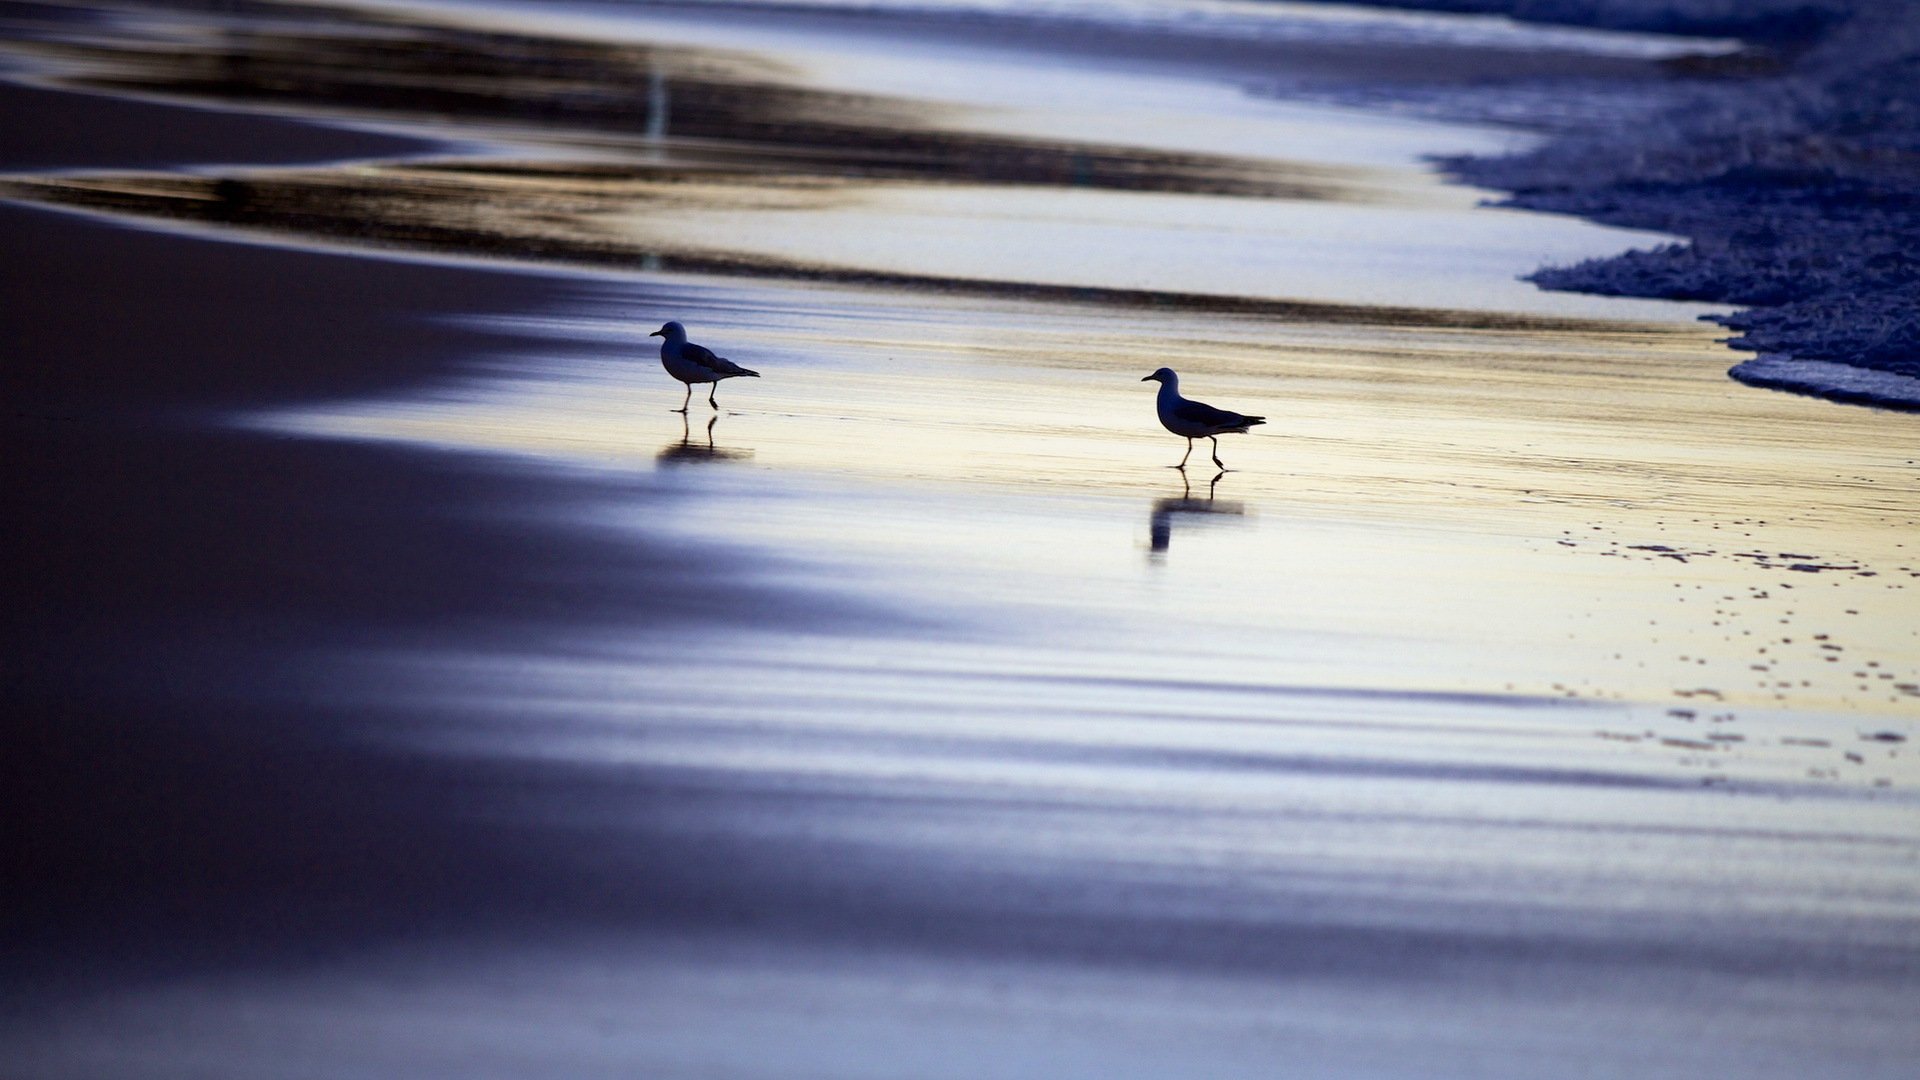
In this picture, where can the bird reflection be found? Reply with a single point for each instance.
(687, 449)
(1160, 521)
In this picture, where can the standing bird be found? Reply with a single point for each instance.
(1192, 420)
(692, 363)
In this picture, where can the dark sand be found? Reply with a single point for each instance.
(61, 129)
(175, 805)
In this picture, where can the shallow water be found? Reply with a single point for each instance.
(1428, 742)
(1494, 510)
(1528, 691)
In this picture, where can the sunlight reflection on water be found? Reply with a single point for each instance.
(1525, 694)
(1433, 497)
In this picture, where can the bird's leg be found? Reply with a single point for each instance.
(1216, 453)
(1185, 456)
(710, 393)
(685, 400)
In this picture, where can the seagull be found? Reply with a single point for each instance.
(692, 363)
(1192, 420)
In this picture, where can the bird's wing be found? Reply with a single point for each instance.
(1195, 412)
(713, 362)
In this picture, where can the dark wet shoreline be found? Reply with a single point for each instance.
(635, 128)
(182, 798)
(732, 129)
(431, 218)
(722, 110)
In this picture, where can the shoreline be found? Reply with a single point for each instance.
(406, 690)
(1794, 187)
(177, 585)
(1799, 321)
(603, 189)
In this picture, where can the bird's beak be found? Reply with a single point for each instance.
(1147, 379)
(656, 333)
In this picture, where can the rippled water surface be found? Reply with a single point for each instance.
(1526, 692)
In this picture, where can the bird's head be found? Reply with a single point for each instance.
(1164, 375)
(670, 331)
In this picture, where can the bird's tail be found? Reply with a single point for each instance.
(727, 369)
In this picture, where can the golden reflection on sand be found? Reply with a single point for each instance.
(1545, 513)
(1497, 489)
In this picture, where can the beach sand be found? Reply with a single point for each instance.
(400, 688)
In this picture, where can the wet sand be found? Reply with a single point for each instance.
(405, 690)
